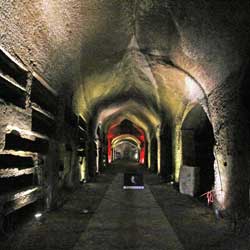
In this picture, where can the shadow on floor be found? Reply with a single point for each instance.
(193, 221)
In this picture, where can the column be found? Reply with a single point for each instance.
(158, 139)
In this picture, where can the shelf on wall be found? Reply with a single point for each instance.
(16, 182)
(43, 95)
(42, 121)
(82, 124)
(45, 113)
(14, 172)
(19, 198)
(12, 92)
(13, 141)
(70, 117)
(27, 134)
(12, 157)
(11, 68)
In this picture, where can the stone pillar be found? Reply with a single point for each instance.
(98, 145)
(91, 157)
(82, 168)
(177, 150)
(231, 150)
(113, 154)
(149, 154)
(158, 138)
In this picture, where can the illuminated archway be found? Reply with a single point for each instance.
(126, 129)
(127, 141)
(126, 150)
(126, 137)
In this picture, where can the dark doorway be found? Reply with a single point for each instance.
(154, 155)
(197, 146)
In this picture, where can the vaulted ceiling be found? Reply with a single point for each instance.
(127, 59)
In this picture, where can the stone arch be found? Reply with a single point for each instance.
(197, 172)
(126, 149)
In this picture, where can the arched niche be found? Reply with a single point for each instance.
(197, 173)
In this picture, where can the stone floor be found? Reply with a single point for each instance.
(128, 219)
(158, 217)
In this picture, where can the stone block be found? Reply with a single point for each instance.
(189, 180)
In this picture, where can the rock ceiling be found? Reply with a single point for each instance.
(140, 60)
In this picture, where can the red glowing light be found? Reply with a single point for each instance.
(114, 132)
(109, 150)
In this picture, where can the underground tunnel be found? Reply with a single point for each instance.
(96, 91)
